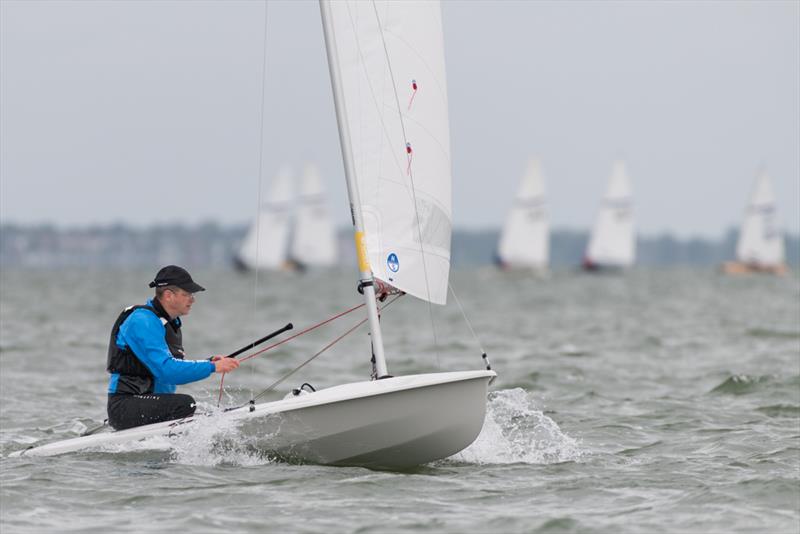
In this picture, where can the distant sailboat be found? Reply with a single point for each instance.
(313, 239)
(613, 242)
(524, 243)
(760, 247)
(266, 244)
(290, 235)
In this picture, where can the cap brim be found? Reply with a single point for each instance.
(192, 287)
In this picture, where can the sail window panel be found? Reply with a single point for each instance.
(434, 226)
(408, 279)
(391, 230)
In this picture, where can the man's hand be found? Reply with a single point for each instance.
(383, 290)
(216, 357)
(224, 365)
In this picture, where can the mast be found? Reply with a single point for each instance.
(366, 280)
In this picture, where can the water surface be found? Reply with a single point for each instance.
(654, 401)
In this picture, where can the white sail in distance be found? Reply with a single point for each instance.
(760, 241)
(613, 242)
(314, 239)
(266, 244)
(525, 239)
(392, 71)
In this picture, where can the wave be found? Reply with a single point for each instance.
(768, 333)
(780, 410)
(572, 350)
(744, 384)
(516, 432)
(560, 524)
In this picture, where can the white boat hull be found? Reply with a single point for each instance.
(392, 423)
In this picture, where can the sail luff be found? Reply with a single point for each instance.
(366, 280)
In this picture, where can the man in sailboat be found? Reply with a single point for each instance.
(146, 357)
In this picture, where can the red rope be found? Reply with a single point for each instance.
(307, 330)
(323, 349)
(326, 347)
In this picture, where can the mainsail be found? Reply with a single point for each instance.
(314, 240)
(266, 242)
(613, 241)
(525, 238)
(760, 240)
(392, 72)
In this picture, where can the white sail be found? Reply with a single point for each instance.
(314, 239)
(760, 240)
(613, 242)
(392, 72)
(525, 238)
(266, 242)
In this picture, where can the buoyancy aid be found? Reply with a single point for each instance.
(134, 377)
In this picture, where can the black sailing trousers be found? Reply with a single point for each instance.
(128, 411)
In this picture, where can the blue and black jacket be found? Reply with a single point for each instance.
(145, 353)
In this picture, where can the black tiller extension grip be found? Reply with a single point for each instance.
(260, 341)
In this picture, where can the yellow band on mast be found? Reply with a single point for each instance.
(361, 253)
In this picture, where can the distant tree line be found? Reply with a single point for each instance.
(213, 245)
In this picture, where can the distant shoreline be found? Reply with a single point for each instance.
(214, 245)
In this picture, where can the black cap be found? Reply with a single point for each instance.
(172, 275)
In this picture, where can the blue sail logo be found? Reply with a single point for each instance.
(393, 263)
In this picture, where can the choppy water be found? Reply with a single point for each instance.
(656, 401)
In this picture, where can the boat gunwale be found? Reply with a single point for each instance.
(369, 388)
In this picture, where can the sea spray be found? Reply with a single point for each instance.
(514, 431)
(215, 440)
(210, 439)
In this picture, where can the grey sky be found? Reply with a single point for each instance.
(148, 112)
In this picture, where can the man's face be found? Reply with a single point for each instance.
(180, 301)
